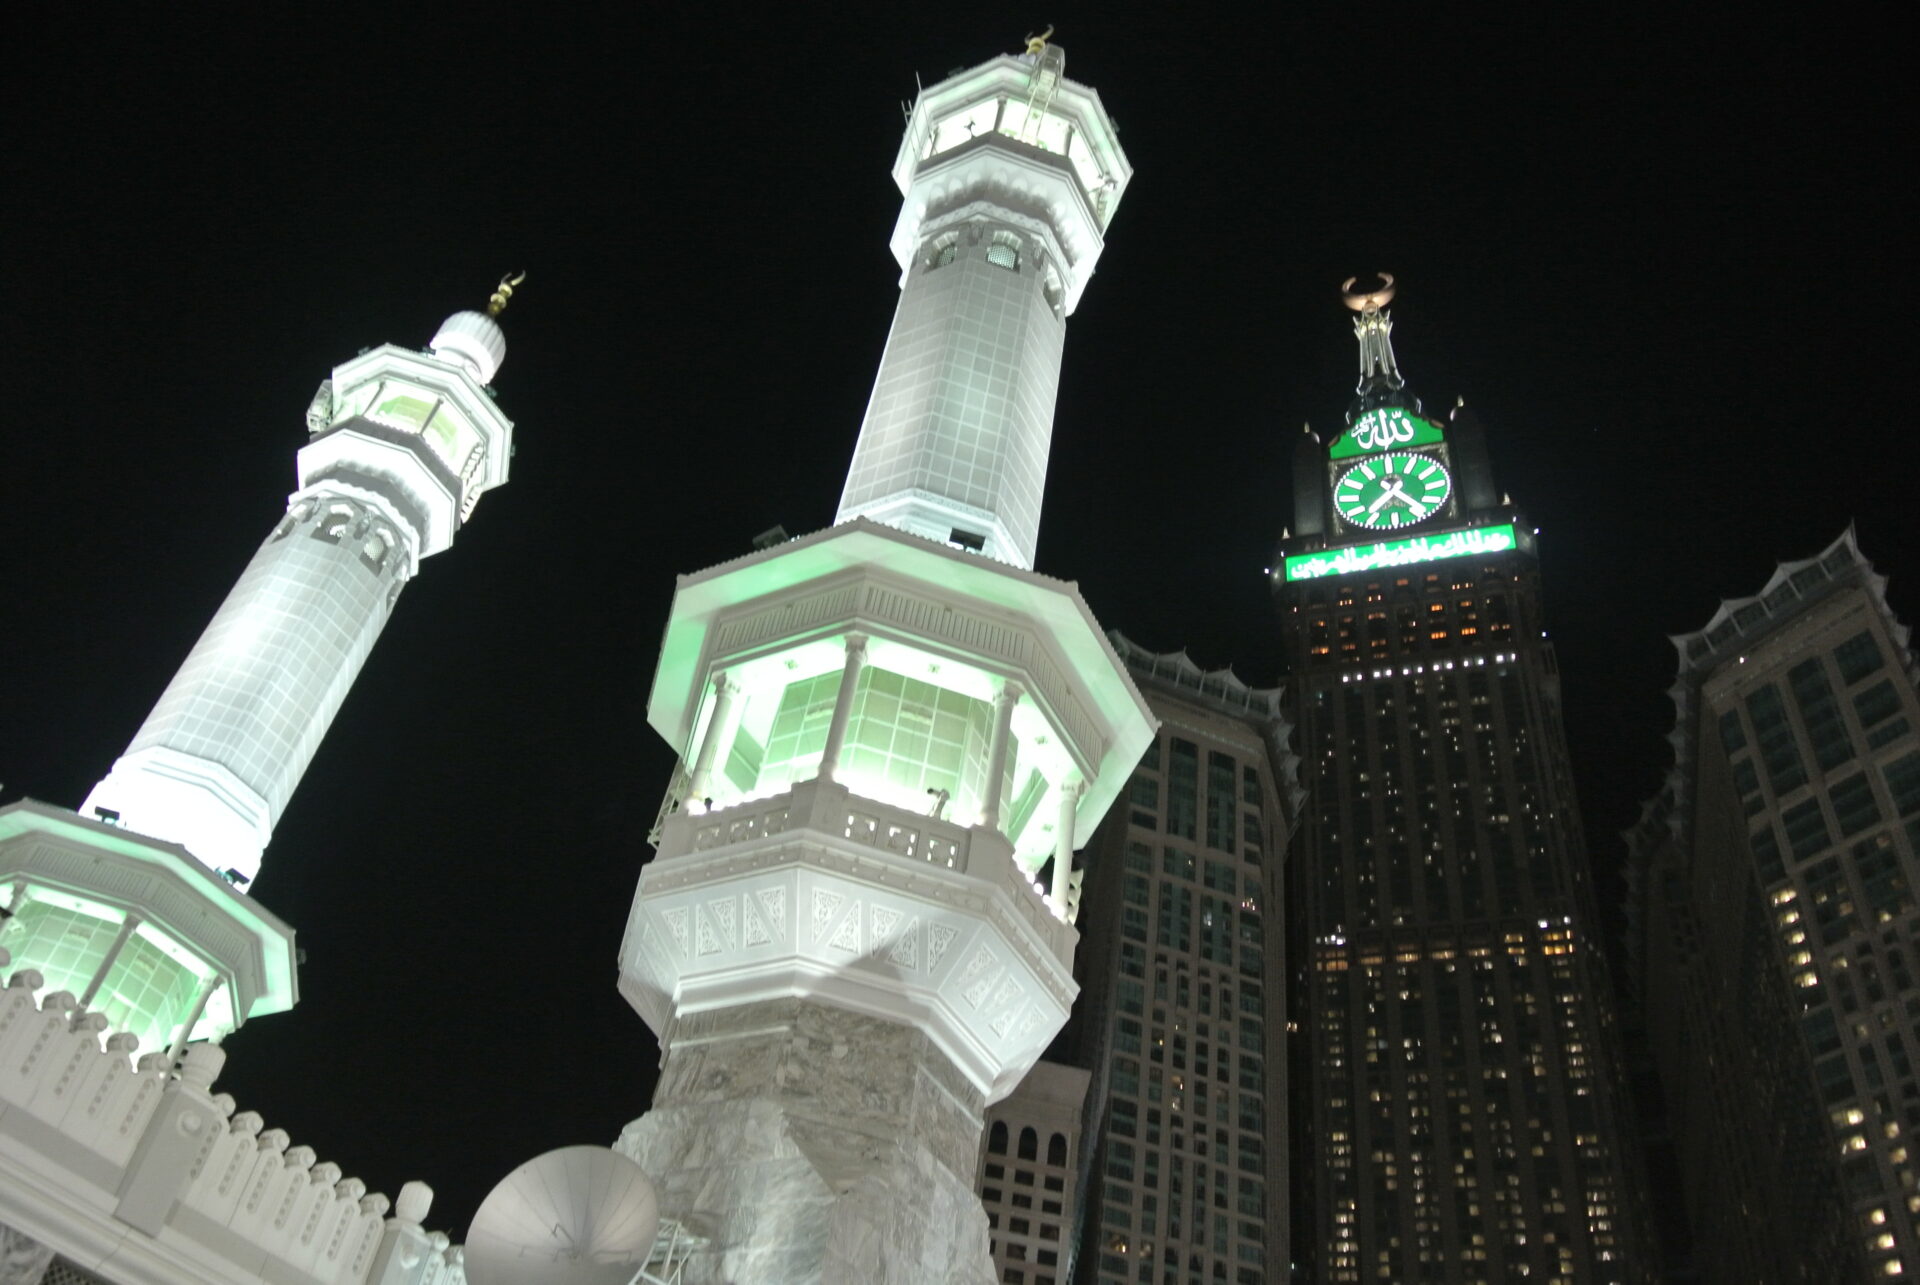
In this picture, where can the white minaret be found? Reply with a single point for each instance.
(403, 446)
(857, 929)
(1011, 174)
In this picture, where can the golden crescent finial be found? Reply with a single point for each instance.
(497, 302)
(1368, 300)
(1037, 44)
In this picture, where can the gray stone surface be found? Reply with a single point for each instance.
(811, 1144)
(23, 1260)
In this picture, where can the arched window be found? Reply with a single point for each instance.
(997, 1138)
(1004, 251)
(1057, 1149)
(373, 552)
(1029, 1143)
(334, 524)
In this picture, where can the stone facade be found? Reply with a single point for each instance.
(811, 1144)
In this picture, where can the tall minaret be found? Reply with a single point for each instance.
(857, 930)
(403, 445)
(132, 909)
(1011, 174)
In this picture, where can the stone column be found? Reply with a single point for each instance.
(1070, 789)
(815, 1146)
(127, 927)
(719, 735)
(1003, 704)
(843, 706)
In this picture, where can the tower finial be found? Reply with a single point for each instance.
(497, 302)
(1037, 45)
(1380, 381)
(1368, 301)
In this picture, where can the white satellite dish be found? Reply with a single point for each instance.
(576, 1216)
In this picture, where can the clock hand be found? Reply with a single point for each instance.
(1393, 491)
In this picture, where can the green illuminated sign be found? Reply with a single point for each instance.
(1382, 430)
(1401, 553)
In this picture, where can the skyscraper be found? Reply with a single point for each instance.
(1458, 1111)
(1182, 1017)
(856, 932)
(1772, 929)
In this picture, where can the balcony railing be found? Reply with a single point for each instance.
(829, 809)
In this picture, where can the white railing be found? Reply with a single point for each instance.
(830, 809)
(139, 1160)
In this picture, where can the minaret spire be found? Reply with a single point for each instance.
(1380, 383)
(402, 446)
(1011, 174)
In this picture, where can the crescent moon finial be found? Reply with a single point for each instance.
(1368, 300)
(497, 303)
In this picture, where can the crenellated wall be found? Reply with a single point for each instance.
(136, 1171)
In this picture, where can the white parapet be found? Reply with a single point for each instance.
(137, 1172)
(821, 894)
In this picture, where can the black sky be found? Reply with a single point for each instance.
(1664, 256)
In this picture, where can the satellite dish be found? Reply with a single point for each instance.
(576, 1216)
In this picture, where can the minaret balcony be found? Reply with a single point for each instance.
(821, 893)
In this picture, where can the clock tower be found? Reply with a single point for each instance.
(1459, 1100)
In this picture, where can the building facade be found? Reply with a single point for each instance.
(1029, 1179)
(1182, 1013)
(1459, 1111)
(1772, 930)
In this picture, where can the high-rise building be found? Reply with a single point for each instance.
(1459, 1111)
(1182, 1014)
(856, 932)
(1029, 1180)
(1772, 940)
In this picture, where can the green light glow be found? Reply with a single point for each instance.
(1401, 553)
(1384, 429)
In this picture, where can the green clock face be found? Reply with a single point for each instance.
(1388, 491)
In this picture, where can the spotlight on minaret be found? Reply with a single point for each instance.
(134, 908)
(842, 975)
(403, 445)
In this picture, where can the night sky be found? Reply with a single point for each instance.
(1664, 258)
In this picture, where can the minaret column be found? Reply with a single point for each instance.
(993, 795)
(720, 729)
(843, 706)
(1070, 792)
